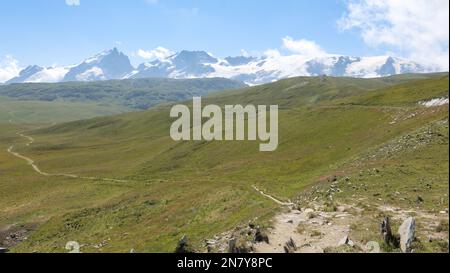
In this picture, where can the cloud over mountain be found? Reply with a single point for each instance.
(417, 30)
(9, 68)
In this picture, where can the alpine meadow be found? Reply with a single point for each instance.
(281, 149)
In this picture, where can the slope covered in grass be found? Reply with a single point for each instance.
(135, 94)
(52, 112)
(204, 188)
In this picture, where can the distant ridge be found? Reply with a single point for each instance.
(113, 64)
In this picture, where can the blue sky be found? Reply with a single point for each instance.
(47, 32)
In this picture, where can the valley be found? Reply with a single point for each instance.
(117, 182)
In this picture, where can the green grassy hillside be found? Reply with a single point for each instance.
(204, 188)
(136, 94)
(52, 112)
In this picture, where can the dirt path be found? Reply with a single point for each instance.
(311, 231)
(31, 162)
(272, 198)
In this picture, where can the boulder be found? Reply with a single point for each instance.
(290, 246)
(386, 231)
(346, 241)
(261, 236)
(308, 210)
(183, 246)
(407, 231)
(235, 246)
(373, 247)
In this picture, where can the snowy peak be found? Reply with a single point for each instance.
(185, 64)
(191, 64)
(25, 74)
(38, 74)
(107, 65)
(253, 70)
(113, 64)
(192, 57)
(239, 60)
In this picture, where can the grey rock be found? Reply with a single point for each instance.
(407, 232)
(261, 236)
(183, 246)
(290, 246)
(373, 247)
(3, 250)
(346, 241)
(386, 231)
(239, 247)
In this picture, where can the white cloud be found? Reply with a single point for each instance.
(50, 74)
(303, 47)
(244, 53)
(9, 68)
(73, 2)
(416, 30)
(272, 53)
(92, 74)
(157, 53)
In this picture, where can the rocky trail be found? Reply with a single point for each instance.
(307, 231)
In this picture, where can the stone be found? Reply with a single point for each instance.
(373, 247)
(3, 250)
(407, 232)
(261, 236)
(290, 246)
(183, 246)
(351, 243)
(343, 241)
(308, 211)
(341, 216)
(386, 231)
(346, 241)
(239, 247)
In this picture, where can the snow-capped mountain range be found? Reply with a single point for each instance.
(113, 64)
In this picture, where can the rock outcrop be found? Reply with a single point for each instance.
(407, 232)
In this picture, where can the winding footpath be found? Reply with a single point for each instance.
(272, 198)
(31, 162)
